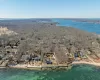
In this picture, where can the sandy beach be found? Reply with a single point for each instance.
(85, 62)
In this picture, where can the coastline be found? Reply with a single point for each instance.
(52, 67)
(41, 67)
(84, 62)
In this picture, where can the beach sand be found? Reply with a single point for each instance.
(85, 62)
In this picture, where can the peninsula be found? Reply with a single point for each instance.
(41, 45)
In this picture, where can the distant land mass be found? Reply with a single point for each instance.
(89, 20)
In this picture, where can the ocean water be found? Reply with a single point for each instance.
(78, 72)
(90, 27)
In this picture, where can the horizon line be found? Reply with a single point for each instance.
(50, 18)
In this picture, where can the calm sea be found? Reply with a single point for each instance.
(79, 72)
(90, 27)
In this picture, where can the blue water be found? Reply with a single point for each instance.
(90, 27)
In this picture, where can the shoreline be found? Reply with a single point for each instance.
(52, 67)
(41, 67)
(85, 62)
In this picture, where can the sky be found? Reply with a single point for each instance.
(49, 8)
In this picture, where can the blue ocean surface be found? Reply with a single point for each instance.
(86, 26)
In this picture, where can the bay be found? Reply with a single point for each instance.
(89, 27)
